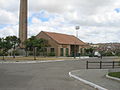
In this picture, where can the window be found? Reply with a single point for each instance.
(52, 50)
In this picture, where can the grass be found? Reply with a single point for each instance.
(115, 74)
(32, 58)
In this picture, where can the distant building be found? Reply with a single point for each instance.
(112, 47)
(94, 45)
(62, 44)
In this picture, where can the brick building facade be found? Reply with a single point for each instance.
(62, 44)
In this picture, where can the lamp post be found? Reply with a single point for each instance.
(75, 49)
(3, 47)
(77, 28)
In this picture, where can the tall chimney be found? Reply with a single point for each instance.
(23, 22)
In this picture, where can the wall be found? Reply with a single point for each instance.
(50, 41)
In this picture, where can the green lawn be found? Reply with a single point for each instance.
(115, 74)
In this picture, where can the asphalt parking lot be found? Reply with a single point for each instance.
(42, 76)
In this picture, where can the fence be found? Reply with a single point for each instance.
(102, 64)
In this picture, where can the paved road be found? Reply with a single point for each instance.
(41, 76)
(97, 76)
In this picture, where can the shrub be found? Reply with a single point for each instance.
(107, 54)
(51, 54)
(31, 53)
(118, 54)
(1, 53)
(5, 53)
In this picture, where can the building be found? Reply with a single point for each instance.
(107, 48)
(94, 45)
(62, 44)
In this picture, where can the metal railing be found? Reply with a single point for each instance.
(102, 64)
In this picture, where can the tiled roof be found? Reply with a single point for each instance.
(64, 39)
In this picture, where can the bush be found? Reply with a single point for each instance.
(5, 53)
(91, 55)
(51, 54)
(31, 53)
(1, 53)
(118, 54)
(16, 53)
(107, 54)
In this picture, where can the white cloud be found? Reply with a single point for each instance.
(9, 31)
(7, 17)
(98, 19)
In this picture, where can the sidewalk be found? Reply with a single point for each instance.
(97, 76)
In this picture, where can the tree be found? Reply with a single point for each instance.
(89, 51)
(4, 46)
(35, 44)
(42, 46)
(13, 43)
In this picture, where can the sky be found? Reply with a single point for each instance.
(99, 20)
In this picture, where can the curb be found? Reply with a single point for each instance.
(113, 78)
(87, 82)
(32, 62)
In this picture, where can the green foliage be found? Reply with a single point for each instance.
(13, 40)
(88, 52)
(51, 54)
(114, 74)
(31, 53)
(91, 55)
(34, 42)
(8, 43)
(3, 53)
(118, 53)
(15, 53)
(107, 53)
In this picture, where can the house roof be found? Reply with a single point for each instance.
(64, 38)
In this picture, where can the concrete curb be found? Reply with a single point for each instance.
(87, 82)
(113, 78)
(32, 62)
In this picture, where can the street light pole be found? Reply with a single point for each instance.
(77, 28)
(75, 49)
(3, 48)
